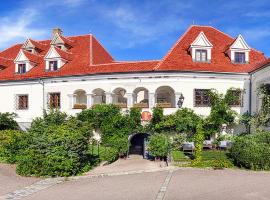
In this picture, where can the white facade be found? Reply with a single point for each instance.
(184, 83)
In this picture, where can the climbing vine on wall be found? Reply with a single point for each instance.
(262, 118)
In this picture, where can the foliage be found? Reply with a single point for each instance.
(198, 142)
(108, 154)
(115, 127)
(178, 140)
(183, 121)
(246, 120)
(252, 151)
(216, 164)
(262, 118)
(221, 112)
(7, 121)
(12, 142)
(159, 145)
(56, 146)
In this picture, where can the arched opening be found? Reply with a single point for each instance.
(80, 100)
(165, 97)
(99, 96)
(138, 144)
(119, 97)
(141, 98)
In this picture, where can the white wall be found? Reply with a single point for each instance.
(181, 83)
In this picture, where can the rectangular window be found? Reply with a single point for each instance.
(21, 68)
(237, 98)
(200, 55)
(22, 103)
(202, 98)
(53, 65)
(239, 57)
(54, 100)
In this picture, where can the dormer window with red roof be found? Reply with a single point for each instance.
(239, 51)
(201, 49)
(25, 61)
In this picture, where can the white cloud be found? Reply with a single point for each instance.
(16, 28)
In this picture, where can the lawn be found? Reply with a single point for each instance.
(210, 159)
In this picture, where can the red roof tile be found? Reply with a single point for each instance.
(88, 56)
(179, 58)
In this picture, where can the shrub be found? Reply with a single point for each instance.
(108, 154)
(159, 145)
(59, 151)
(7, 121)
(198, 140)
(178, 140)
(12, 142)
(252, 151)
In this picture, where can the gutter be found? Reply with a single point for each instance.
(43, 93)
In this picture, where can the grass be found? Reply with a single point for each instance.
(210, 159)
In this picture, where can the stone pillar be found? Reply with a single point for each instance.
(108, 97)
(152, 99)
(72, 100)
(129, 99)
(90, 100)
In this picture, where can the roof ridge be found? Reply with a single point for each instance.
(119, 63)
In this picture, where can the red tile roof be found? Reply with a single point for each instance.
(88, 56)
(179, 58)
(38, 45)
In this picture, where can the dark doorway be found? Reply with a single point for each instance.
(137, 143)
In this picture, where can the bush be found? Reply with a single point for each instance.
(59, 151)
(198, 140)
(7, 121)
(108, 154)
(12, 142)
(252, 151)
(178, 140)
(159, 145)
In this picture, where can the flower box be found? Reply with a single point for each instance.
(121, 105)
(79, 106)
(141, 105)
(164, 105)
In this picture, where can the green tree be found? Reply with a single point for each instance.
(159, 145)
(7, 121)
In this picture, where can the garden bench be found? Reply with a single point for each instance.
(188, 146)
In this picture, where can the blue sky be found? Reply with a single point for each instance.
(134, 30)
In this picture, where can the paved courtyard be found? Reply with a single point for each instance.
(149, 183)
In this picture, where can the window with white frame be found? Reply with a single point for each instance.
(239, 57)
(22, 102)
(22, 68)
(200, 55)
(53, 65)
(54, 100)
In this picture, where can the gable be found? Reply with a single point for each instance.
(57, 40)
(21, 57)
(201, 41)
(52, 53)
(28, 45)
(240, 43)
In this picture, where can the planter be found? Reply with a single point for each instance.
(141, 105)
(164, 105)
(121, 105)
(79, 106)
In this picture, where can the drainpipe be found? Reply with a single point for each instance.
(43, 93)
(250, 100)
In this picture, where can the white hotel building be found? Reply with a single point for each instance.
(73, 73)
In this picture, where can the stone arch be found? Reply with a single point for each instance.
(165, 97)
(80, 99)
(141, 97)
(99, 96)
(119, 97)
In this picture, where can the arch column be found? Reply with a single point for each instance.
(152, 99)
(72, 100)
(129, 99)
(108, 97)
(90, 100)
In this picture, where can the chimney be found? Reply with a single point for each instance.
(57, 30)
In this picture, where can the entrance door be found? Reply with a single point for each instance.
(138, 144)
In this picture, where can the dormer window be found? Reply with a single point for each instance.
(239, 57)
(29, 50)
(53, 65)
(200, 55)
(22, 68)
(200, 49)
(239, 51)
(59, 46)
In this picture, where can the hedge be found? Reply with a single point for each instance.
(252, 151)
